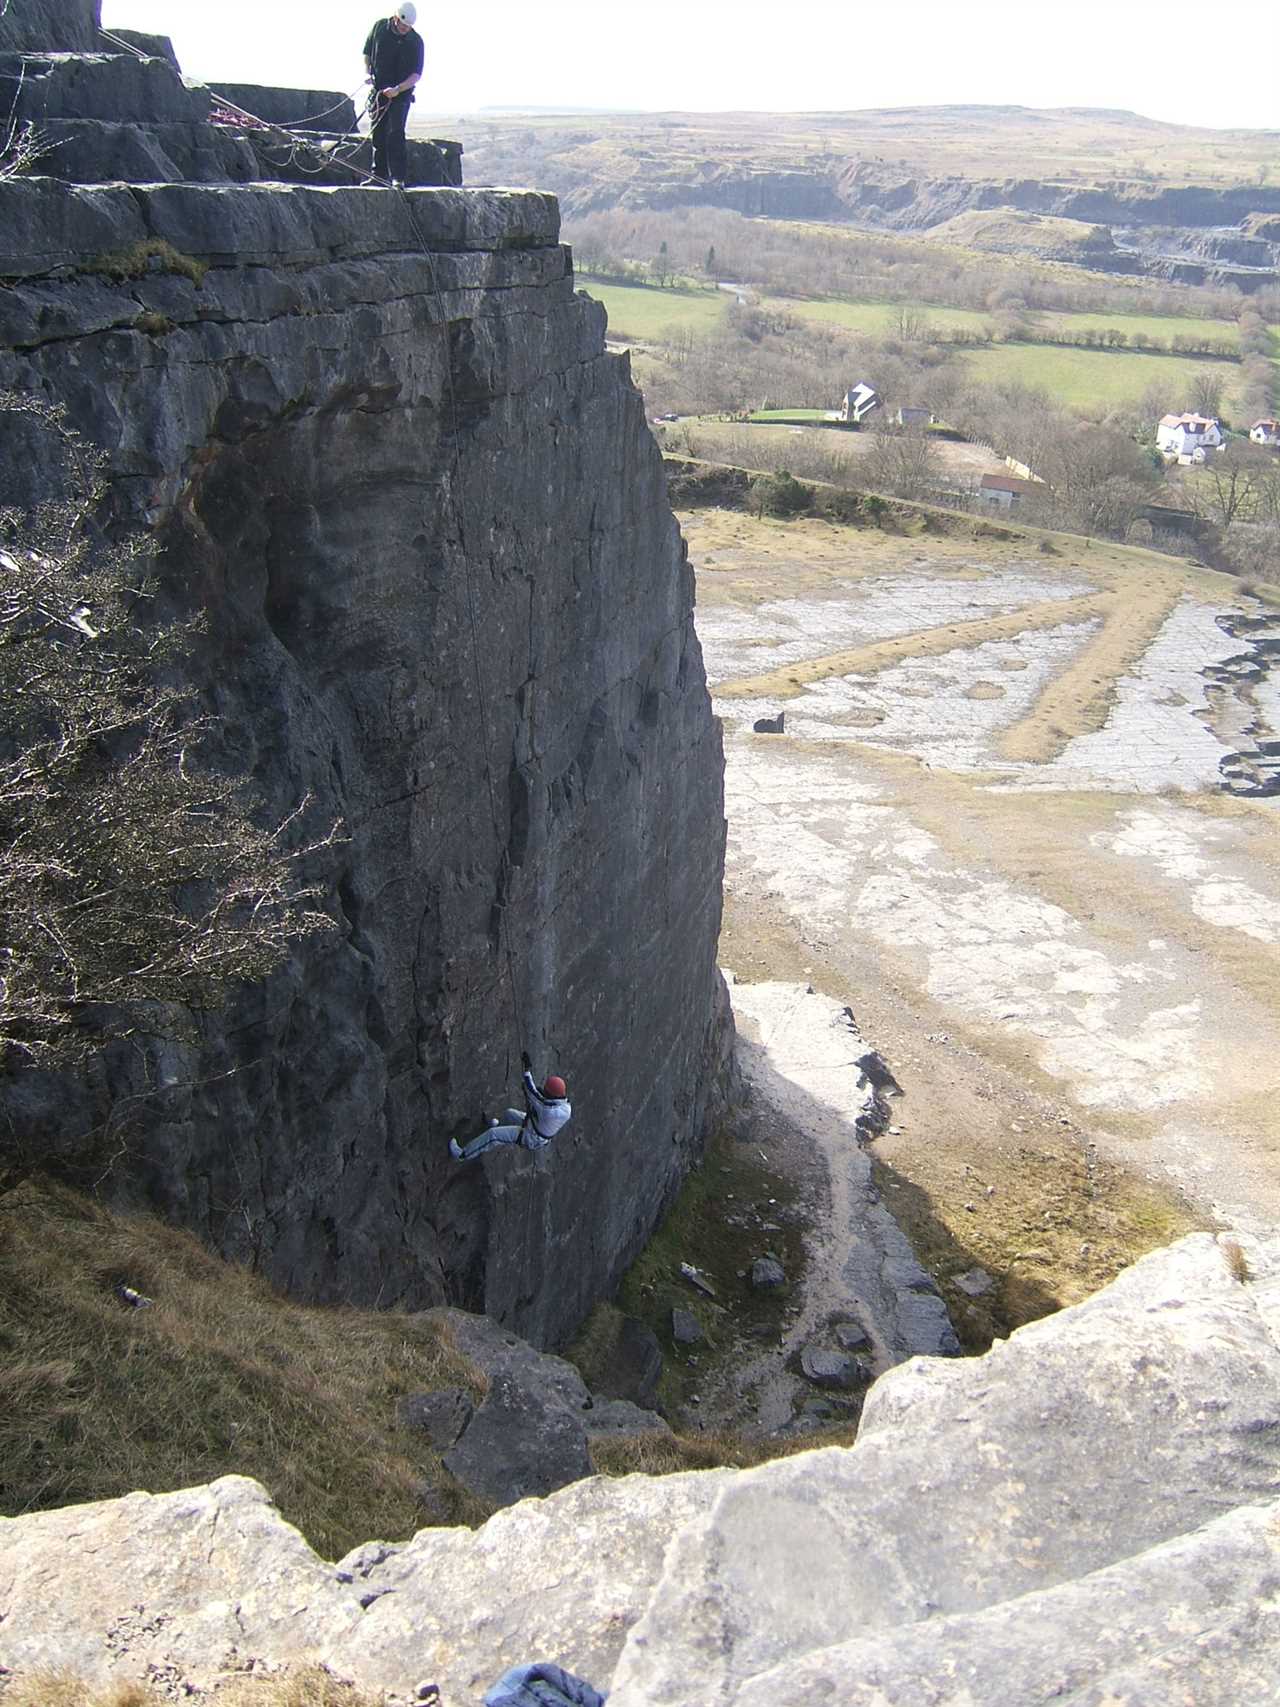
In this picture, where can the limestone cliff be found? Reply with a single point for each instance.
(388, 457)
(1087, 1513)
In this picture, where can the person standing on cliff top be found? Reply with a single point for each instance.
(393, 57)
(533, 1127)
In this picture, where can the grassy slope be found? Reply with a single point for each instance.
(219, 1377)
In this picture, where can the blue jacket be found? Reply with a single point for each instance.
(542, 1685)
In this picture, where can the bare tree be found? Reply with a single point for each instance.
(1233, 486)
(904, 463)
(131, 876)
(1206, 393)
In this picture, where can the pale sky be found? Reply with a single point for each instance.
(1181, 60)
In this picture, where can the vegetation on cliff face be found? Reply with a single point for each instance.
(134, 881)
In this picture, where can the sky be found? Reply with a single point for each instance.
(1181, 60)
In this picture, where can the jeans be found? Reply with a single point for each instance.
(390, 155)
(515, 1132)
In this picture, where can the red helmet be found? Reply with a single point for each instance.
(553, 1086)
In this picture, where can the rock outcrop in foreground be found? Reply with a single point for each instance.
(1089, 1512)
(389, 461)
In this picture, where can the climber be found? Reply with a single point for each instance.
(542, 1685)
(534, 1127)
(393, 57)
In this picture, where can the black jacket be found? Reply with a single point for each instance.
(391, 56)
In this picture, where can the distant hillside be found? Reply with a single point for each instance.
(1174, 201)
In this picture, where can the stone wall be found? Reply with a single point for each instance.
(388, 457)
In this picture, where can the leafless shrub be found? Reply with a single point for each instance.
(132, 877)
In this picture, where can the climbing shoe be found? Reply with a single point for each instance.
(455, 1149)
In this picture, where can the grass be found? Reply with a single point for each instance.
(152, 254)
(638, 311)
(308, 1686)
(1094, 379)
(219, 1376)
(717, 1225)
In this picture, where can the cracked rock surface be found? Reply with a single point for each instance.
(387, 456)
(953, 1566)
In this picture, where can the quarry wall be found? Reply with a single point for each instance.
(389, 460)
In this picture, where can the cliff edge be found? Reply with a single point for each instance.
(934, 1561)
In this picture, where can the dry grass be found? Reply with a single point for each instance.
(790, 679)
(1078, 701)
(309, 1686)
(1237, 1262)
(219, 1376)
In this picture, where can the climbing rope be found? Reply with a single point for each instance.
(297, 145)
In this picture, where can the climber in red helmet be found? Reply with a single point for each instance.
(545, 1112)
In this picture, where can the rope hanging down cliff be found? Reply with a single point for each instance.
(546, 1109)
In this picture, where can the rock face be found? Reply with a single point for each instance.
(1089, 1511)
(386, 454)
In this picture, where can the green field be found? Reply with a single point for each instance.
(879, 317)
(642, 311)
(1080, 378)
(1086, 379)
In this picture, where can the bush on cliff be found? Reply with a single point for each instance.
(135, 882)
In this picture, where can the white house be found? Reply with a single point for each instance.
(1003, 491)
(1185, 435)
(859, 401)
(1266, 433)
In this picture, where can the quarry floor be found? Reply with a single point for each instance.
(995, 827)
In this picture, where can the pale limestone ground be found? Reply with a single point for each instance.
(1111, 942)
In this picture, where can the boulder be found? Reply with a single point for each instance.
(441, 1416)
(686, 1328)
(1087, 1512)
(767, 1274)
(830, 1368)
(632, 1367)
(520, 1443)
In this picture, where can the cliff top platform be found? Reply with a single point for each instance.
(114, 107)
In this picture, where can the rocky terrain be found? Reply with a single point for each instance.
(1088, 1512)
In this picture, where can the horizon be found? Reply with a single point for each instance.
(734, 58)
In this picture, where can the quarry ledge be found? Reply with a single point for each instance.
(47, 227)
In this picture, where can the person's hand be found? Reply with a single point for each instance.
(388, 94)
(525, 1062)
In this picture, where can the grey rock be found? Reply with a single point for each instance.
(852, 1336)
(519, 1444)
(50, 26)
(685, 1328)
(767, 1274)
(1087, 1512)
(166, 1579)
(633, 1366)
(621, 1417)
(829, 1368)
(770, 725)
(441, 1416)
(1087, 1440)
(341, 442)
(975, 1282)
